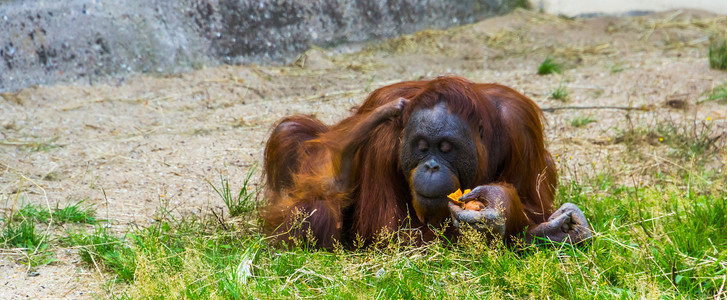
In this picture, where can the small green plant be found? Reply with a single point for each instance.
(693, 140)
(41, 145)
(718, 53)
(688, 141)
(71, 213)
(104, 250)
(617, 68)
(32, 213)
(560, 93)
(75, 213)
(20, 235)
(719, 94)
(549, 66)
(241, 202)
(20, 231)
(582, 121)
(519, 3)
(24, 235)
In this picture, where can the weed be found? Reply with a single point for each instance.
(719, 94)
(718, 53)
(692, 140)
(695, 139)
(103, 250)
(24, 235)
(617, 68)
(20, 235)
(244, 201)
(20, 229)
(549, 66)
(560, 93)
(582, 121)
(71, 213)
(76, 213)
(32, 213)
(41, 145)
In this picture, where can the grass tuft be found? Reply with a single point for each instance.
(549, 66)
(103, 250)
(242, 202)
(560, 93)
(695, 140)
(20, 235)
(25, 236)
(617, 68)
(718, 53)
(718, 94)
(582, 121)
(71, 213)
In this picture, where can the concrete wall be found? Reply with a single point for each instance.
(43, 42)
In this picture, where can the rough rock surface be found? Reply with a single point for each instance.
(42, 42)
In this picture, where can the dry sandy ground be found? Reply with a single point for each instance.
(152, 142)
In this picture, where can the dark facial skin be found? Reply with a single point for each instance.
(439, 155)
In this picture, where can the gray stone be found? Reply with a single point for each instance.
(43, 42)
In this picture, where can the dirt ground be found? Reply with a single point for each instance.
(141, 143)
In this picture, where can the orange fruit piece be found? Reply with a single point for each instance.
(471, 205)
(456, 195)
(474, 205)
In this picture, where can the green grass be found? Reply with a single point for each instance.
(665, 238)
(102, 249)
(660, 240)
(718, 54)
(20, 235)
(560, 93)
(581, 121)
(617, 68)
(244, 201)
(24, 236)
(718, 94)
(41, 145)
(71, 213)
(549, 66)
(20, 229)
(651, 242)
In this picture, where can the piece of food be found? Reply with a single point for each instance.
(471, 205)
(474, 205)
(456, 195)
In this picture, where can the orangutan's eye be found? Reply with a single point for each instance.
(422, 146)
(445, 146)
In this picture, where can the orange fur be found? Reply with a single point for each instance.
(303, 161)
